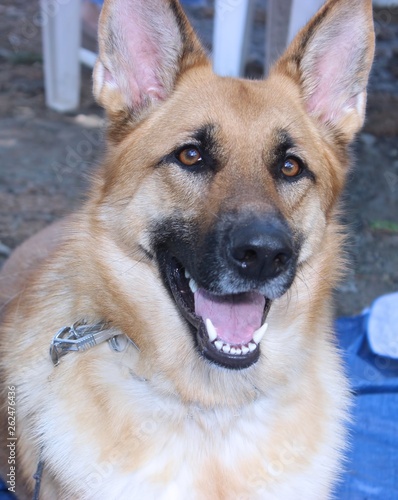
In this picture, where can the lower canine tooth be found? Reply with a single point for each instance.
(259, 334)
(218, 344)
(211, 330)
(227, 348)
(252, 347)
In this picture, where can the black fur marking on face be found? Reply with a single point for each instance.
(175, 242)
(207, 255)
(284, 142)
(204, 139)
(212, 260)
(176, 284)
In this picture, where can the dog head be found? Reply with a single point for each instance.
(222, 191)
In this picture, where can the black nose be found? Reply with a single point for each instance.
(260, 249)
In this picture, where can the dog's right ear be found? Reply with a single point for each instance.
(144, 45)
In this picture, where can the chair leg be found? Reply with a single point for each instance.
(232, 28)
(278, 13)
(61, 43)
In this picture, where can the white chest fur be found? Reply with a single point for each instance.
(136, 443)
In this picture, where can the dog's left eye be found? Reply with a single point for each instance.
(291, 168)
(189, 156)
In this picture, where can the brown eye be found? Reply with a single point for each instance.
(291, 168)
(189, 156)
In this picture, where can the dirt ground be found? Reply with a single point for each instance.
(46, 158)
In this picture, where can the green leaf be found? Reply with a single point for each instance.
(384, 225)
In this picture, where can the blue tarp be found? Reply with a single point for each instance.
(370, 348)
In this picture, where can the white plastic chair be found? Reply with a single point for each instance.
(232, 29)
(233, 19)
(61, 32)
(61, 25)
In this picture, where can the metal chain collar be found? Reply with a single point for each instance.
(81, 337)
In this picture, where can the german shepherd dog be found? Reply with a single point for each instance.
(206, 254)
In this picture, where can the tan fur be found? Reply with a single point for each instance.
(163, 422)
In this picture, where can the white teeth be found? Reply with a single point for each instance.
(259, 334)
(218, 344)
(237, 351)
(187, 275)
(211, 330)
(193, 286)
(227, 348)
(252, 347)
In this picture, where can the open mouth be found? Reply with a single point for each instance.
(227, 329)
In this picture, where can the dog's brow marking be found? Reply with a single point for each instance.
(284, 142)
(292, 124)
(206, 133)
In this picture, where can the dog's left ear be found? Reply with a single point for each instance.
(144, 46)
(330, 59)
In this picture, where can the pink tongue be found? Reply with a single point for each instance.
(235, 317)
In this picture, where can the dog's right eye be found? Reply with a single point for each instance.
(291, 168)
(189, 156)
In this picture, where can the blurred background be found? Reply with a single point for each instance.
(46, 157)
